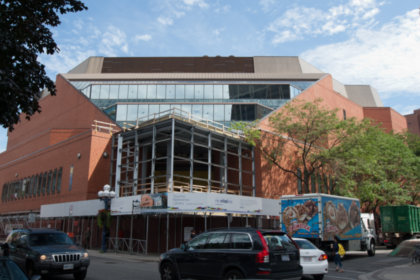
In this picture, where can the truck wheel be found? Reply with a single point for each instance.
(372, 249)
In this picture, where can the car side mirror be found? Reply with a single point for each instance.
(183, 247)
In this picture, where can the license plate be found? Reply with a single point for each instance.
(68, 266)
(285, 258)
(307, 259)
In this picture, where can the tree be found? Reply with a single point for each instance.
(296, 136)
(24, 34)
(377, 167)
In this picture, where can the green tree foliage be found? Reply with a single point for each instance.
(377, 167)
(296, 136)
(24, 34)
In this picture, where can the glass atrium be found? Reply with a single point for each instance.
(223, 102)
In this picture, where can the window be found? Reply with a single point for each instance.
(241, 241)
(71, 177)
(60, 171)
(217, 240)
(198, 242)
(54, 181)
(344, 115)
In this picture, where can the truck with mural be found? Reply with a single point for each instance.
(399, 223)
(320, 217)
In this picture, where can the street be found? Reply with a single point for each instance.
(112, 266)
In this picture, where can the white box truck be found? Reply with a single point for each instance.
(320, 217)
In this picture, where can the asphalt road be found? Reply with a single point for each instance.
(119, 267)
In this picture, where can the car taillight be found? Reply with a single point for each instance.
(264, 255)
(323, 257)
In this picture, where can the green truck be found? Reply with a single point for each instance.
(399, 223)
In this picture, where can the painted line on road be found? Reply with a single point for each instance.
(338, 277)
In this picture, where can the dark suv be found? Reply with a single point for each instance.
(47, 252)
(233, 253)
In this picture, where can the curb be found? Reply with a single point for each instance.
(119, 255)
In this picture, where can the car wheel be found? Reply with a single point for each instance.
(233, 274)
(371, 251)
(80, 275)
(318, 276)
(168, 272)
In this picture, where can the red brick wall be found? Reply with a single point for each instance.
(387, 118)
(413, 122)
(53, 139)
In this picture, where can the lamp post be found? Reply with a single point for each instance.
(106, 195)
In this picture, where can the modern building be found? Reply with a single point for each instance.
(158, 130)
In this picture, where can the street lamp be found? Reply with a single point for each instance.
(106, 195)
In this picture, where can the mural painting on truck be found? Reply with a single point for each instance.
(303, 217)
(341, 218)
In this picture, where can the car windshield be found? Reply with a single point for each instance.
(304, 244)
(47, 239)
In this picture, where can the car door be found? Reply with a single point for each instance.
(188, 261)
(213, 257)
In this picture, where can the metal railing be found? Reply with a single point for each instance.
(185, 116)
(138, 246)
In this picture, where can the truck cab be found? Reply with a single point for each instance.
(368, 233)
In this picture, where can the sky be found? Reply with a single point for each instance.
(374, 42)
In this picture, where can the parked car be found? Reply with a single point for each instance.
(9, 270)
(47, 252)
(313, 260)
(232, 254)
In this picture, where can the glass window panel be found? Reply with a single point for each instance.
(186, 108)
(199, 91)
(180, 91)
(176, 107)
(208, 92)
(161, 91)
(104, 92)
(60, 172)
(233, 92)
(123, 92)
(113, 92)
(170, 91)
(218, 92)
(228, 113)
(132, 91)
(225, 91)
(208, 112)
(143, 111)
(189, 92)
(153, 109)
(49, 182)
(121, 112)
(197, 110)
(54, 181)
(164, 107)
(71, 177)
(96, 89)
(132, 112)
(142, 92)
(151, 91)
(86, 91)
(219, 113)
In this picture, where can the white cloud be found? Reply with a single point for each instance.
(304, 22)
(113, 39)
(387, 57)
(165, 20)
(144, 37)
(201, 3)
(406, 110)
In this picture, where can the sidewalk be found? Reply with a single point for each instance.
(400, 272)
(118, 255)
